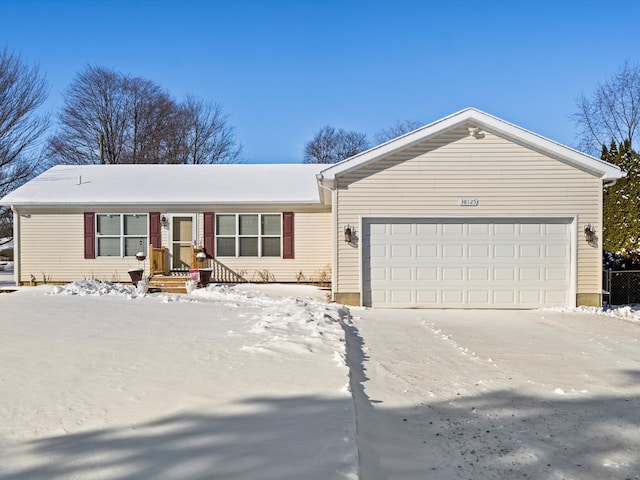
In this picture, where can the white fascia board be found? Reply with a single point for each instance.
(604, 170)
(166, 207)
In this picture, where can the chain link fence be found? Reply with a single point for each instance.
(621, 287)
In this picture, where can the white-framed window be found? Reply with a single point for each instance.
(248, 235)
(121, 234)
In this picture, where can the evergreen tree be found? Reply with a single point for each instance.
(621, 209)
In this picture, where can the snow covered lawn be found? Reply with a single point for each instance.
(236, 385)
(269, 382)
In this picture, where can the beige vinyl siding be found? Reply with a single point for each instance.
(506, 178)
(52, 248)
(312, 236)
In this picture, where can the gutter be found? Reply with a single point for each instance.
(16, 244)
(334, 233)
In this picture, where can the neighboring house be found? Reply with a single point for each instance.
(469, 211)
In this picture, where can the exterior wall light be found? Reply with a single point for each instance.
(476, 132)
(349, 233)
(590, 233)
(164, 223)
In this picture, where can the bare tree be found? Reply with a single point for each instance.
(209, 137)
(400, 128)
(109, 117)
(22, 92)
(93, 120)
(150, 121)
(612, 113)
(331, 146)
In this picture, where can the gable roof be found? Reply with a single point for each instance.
(170, 185)
(476, 118)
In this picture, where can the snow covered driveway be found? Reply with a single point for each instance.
(499, 395)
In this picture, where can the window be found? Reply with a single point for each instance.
(248, 235)
(121, 235)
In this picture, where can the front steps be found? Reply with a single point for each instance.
(168, 283)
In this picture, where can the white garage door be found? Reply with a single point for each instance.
(466, 263)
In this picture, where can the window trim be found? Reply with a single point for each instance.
(121, 236)
(259, 236)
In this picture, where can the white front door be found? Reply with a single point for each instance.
(467, 263)
(183, 234)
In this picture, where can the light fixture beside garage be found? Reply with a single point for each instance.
(590, 233)
(349, 233)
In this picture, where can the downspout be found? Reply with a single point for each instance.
(334, 234)
(16, 245)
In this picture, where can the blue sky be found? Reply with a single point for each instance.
(283, 69)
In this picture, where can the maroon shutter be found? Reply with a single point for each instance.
(209, 234)
(155, 232)
(89, 235)
(287, 235)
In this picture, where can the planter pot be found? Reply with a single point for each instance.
(136, 276)
(205, 276)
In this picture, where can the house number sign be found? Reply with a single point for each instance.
(468, 202)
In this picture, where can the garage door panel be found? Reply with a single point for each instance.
(504, 229)
(378, 273)
(378, 251)
(427, 229)
(453, 296)
(427, 251)
(376, 229)
(479, 274)
(556, 297)
(504, 251)
(426, 273)
(451, 229)
(479, 229)
(452, 251)
(530, 297)
(478, 251)
(401, 229)
(401, 251)
(530, 251)
(507, 274)
(556, 251)
(404, 297)
(504, 297)
(559, 274)
(528, 274)
(467, 263)
(560, 229)
(400, 274)
(478, 296)
(427, 297)
(452, 274)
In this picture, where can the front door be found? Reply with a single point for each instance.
(182, 237)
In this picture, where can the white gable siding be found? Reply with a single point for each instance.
(506, 178)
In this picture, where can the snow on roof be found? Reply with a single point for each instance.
(170, 185)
